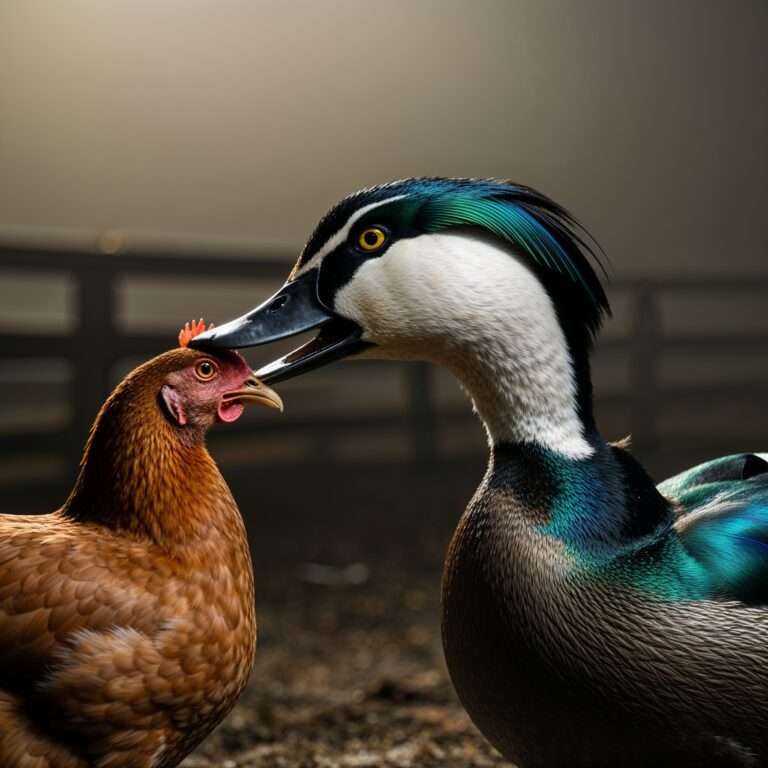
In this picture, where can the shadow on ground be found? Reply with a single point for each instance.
(349, 676)
(350, 667)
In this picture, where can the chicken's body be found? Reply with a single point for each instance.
(127, 620)
(116, 653)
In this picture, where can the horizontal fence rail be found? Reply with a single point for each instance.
(96, 344)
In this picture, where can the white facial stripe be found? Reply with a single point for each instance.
(341, 235)
(466, 303)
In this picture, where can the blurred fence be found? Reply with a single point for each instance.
(657, 409)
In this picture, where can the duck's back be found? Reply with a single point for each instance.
(604, 663)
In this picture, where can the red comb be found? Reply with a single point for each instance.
(190, 330)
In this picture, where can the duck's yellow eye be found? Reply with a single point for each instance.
(371, 239)
(205, 370)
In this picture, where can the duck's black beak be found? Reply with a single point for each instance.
(294, 309)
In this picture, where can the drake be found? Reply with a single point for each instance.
(590, 618)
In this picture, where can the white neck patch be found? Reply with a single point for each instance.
(341, 234)
(465, 302)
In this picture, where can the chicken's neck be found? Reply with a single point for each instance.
(142, 476)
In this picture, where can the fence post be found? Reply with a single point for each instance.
(421, 412)
(644, 373)
(93, 353)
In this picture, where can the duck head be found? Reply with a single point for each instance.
(488, 278)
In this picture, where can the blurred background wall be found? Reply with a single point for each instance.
(160, 160)
(194, 121)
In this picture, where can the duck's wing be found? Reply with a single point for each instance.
(723, 524)
(739, 466)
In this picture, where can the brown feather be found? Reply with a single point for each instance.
(127, 621)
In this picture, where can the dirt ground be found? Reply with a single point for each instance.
(348, 675)
(349, 669)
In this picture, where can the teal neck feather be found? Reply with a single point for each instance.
(620, 531)
(599, 507)
(608, 516)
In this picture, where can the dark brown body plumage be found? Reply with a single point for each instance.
(558, 672)
(127, 621)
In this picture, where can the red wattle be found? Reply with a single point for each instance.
(229, 412)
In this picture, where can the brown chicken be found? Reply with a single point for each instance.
(127, 620)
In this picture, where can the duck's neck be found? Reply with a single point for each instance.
(598, 507)
(546, 451)
(525, 389)
(524, 362)
(525, 365)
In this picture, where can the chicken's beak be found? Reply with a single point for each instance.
(254, 391)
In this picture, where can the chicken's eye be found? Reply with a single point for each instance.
(371, 239)
(205, 370)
